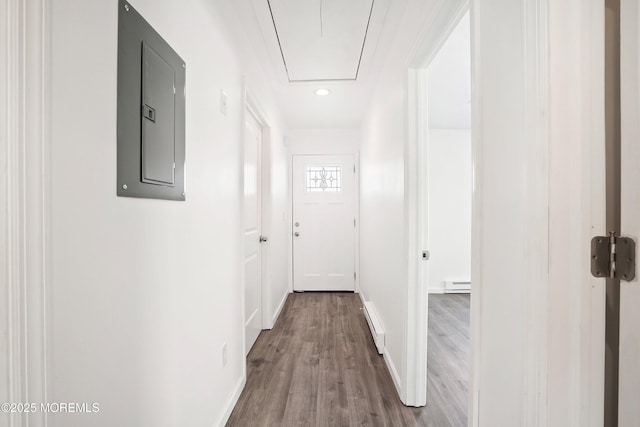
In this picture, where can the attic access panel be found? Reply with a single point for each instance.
(321, 40)
(151, 111)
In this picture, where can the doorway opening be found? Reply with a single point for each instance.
(442, 108)
(447, 198)
(447, 195)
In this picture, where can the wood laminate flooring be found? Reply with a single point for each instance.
(318, 367)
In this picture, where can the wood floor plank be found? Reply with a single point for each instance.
(318, 366)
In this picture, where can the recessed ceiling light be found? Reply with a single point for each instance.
(323, 92)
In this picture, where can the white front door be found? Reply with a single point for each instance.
(252, 229)
(629, 367)
(323, 223)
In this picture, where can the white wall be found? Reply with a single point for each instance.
(145, 292)
(450, 80)
(323, 141)
(383, 276)
(449, 217)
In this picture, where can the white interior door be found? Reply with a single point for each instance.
(629, 378)
(323, 223)
(252, 230)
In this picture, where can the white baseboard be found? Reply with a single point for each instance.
(274, 319)
(436, 290)
(361, 298)
(394, 374)
(231, 403)
(254, 314)
(377, 331)
(388, 361)
(374, 325)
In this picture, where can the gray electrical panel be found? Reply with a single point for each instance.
(151, 111)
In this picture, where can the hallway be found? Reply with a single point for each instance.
(318, 367)
(145, 243)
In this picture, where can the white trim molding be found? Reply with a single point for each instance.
(25, 201)
(277, 311)
(536, 95)
(7, 350)
(415, 382)
(231, 402)
(475, 329)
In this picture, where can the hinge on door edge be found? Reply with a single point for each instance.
(613, 257)
(354, 275)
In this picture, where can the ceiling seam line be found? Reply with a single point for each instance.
(364, 41)
(275, 28)
(321, 23)
(321, 80)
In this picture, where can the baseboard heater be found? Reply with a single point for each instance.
(457, 287)
(375, 326)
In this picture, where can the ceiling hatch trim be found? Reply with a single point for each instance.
(287, 67)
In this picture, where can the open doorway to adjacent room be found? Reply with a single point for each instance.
(446, 192)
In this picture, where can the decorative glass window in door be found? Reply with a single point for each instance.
(324, 178)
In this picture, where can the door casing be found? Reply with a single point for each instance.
(251, 106)
(26, 255)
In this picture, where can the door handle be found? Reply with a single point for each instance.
(296, 234)
(263, 239)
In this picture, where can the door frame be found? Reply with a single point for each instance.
(25, 203)
(356, 212)
(628, 410)
(250, 105)
(415, 392)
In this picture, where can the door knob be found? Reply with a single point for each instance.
(263, 239)
(296, 234)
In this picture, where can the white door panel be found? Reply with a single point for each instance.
(323, 223)
(252, 229)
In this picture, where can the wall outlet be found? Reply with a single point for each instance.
(223, 102)
(224, 354)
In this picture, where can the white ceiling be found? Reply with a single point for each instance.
(345, 106)
(393, 28)
(450, 81)
(321, 39)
